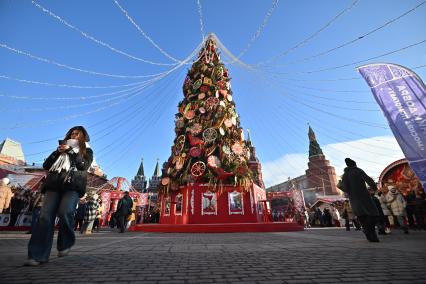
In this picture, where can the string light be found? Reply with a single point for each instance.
(74, 68)
(143, 33)
(63, 107)
(309, 38)
(66, 85)
(47, 122)
(356, 39)
(200, 14)
(86, 35)
(260, 28)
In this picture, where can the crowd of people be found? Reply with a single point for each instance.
(393, 210)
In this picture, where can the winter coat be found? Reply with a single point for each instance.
(335, 214)
(56, 181)
(397, 203)
(378, 205)
(81, 211)
(353, 181)
(348, 209)
(125, 206)
(5, 197)
(383, 204)
(91, 210)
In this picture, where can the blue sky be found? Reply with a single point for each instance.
(275, 99)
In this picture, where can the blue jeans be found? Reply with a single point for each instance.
(34, 218)
(62, 204)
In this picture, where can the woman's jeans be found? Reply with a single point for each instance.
(62, 204)
(35, 217)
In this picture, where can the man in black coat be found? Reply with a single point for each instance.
(353, 183)
(124, 209)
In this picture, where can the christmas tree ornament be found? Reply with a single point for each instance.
(213, 161)
(198, 169)
(202, 110)
(224, 93)
(221, 131)
(226, 150)
(189, 114)
(210, 150)
(212, 102)
(197, 84)
(209, 135)
(207, 81)
(165, 180)
(228, 122)
(204, 89)
(195, 152)
(237, 148)
(196, 129)
(234, 120)
(193, 141)
(180, 143)
(201, 96)
(179, 164)
(221, 85)
(180, 123)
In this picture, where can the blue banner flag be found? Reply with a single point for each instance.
(401, 95)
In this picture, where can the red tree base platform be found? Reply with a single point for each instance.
(217, 228)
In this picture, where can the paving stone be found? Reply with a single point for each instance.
(312, 256)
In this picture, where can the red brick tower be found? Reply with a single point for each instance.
(320, 173)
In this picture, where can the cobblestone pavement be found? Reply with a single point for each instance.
(312, 256)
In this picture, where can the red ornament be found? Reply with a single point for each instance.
(204, 89)
(194, 141)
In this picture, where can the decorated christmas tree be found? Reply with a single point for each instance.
(209, 146)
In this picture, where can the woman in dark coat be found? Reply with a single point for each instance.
(65, 184)
(353, 183)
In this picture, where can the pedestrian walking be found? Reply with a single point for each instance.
(336, 216)
(92, 206)
(385, 209)
(97, 222)
(353, 183)
(397, 204)
(381, 218)
(65, 183)
(79, 216)
(124, 209)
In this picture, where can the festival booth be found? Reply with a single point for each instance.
(110, 200)
(287, 206)
(21, 182)
(330, 201)
(400, 175)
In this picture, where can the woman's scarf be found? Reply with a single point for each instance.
(64, 162)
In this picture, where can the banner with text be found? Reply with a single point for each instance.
(401, 95)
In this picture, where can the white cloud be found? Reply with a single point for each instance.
(371, 154)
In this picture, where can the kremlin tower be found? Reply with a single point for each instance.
(139, 182)
(320, 174)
